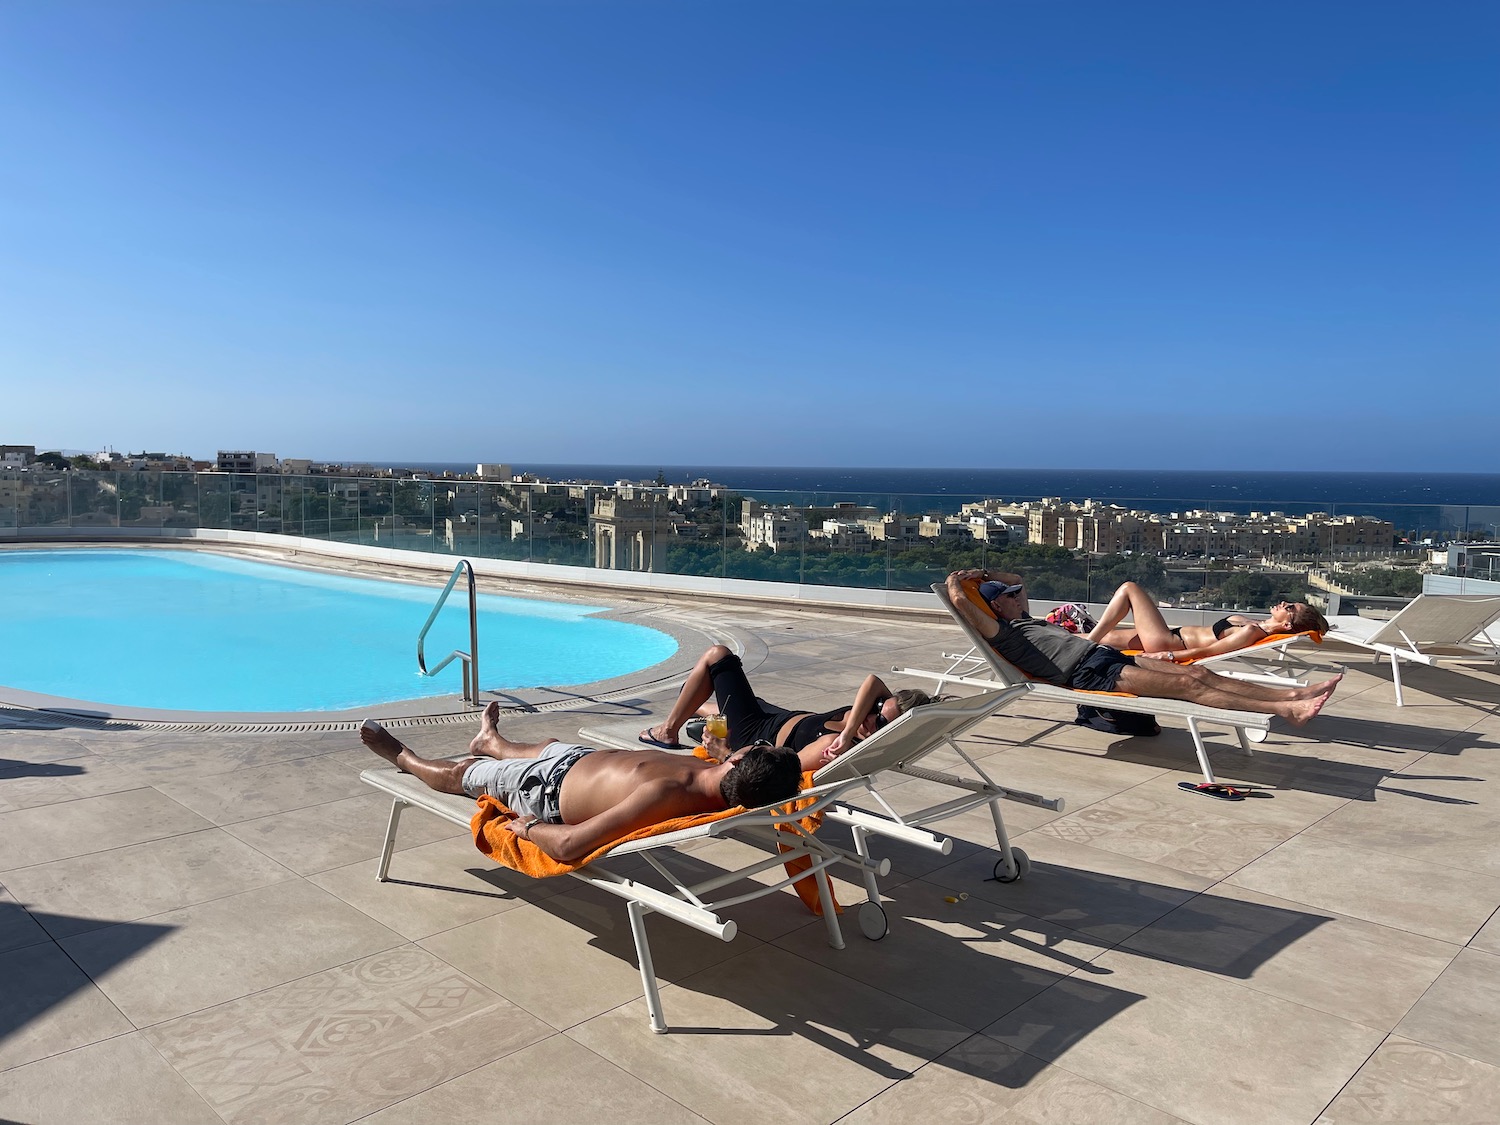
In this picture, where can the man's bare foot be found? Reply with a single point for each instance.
(1325, 689)
(1316, 691)
(1302, 710)
(483, 743)
(382, 741)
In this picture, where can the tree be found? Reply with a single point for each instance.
(1392, 583)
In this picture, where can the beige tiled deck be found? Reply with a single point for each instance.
(191, 931)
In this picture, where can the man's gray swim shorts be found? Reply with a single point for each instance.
(527, 786)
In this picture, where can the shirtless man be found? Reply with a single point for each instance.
(570, 800)
(1053, 655)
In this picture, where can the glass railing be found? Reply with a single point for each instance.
(1231, 559)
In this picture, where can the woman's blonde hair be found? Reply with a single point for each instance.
(907, 698)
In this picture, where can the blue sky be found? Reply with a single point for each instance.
(995, 234)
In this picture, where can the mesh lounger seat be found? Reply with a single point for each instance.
(1431, 629)
(899, 748)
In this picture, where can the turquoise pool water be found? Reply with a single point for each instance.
(191, 631)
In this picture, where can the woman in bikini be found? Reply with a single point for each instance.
(816, 736)
(1157, 641)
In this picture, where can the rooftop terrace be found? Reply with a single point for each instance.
(191, 931)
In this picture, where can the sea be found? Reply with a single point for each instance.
(1414, 502)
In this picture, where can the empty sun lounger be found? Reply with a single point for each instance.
(779, 830)
(1247, 725)
(1431, 629)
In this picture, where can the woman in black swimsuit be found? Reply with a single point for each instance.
(1155, 640)
(720, 674)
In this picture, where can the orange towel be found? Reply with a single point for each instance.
(1270, 638)
(519, 854)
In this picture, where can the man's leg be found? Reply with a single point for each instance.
(490, 743)
(445, 777)
(1198, 685)
(696, 691)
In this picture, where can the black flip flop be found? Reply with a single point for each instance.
(1217, 789)
(645, 739)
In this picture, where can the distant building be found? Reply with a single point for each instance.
(699, 494)
(625, 535)
(16, 456)
(245, 461)
(485, 471)
(845, 535)
(1106, 529)
(896, 529)
(946, 529)
(1470, 560)
(777, 528)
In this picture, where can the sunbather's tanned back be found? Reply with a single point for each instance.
(603, 779)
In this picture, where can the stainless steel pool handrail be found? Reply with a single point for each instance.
(470, 658)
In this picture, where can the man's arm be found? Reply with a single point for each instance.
(1232, 641)
(649, 804)
(816, 754)
(982, 623)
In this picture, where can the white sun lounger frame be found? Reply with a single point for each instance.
(897, 748)
(690, 904)
(894, 747)
(1248, 726)
(1431, 629)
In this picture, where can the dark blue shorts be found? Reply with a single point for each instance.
(1099, 670)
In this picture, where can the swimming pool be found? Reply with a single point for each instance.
(193, 631)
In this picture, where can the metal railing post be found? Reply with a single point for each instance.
(471, 658)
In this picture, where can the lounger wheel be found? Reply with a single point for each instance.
(1255, 734)
(1023, 865)
(872, 921)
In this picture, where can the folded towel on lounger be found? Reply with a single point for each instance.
(509, 850)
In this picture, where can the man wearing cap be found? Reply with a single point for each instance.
(1047, 652)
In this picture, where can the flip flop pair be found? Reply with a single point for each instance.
(1222, 791)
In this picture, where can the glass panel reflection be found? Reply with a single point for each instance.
(1186, 553)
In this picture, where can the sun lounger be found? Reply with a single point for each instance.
(1247, 725)
(898, 748)
(691, 905)
(1269, 660)
(780, 830)
(1431, 629)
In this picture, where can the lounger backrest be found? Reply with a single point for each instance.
(1006, 672)
(911, 736)
(1438, 619)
